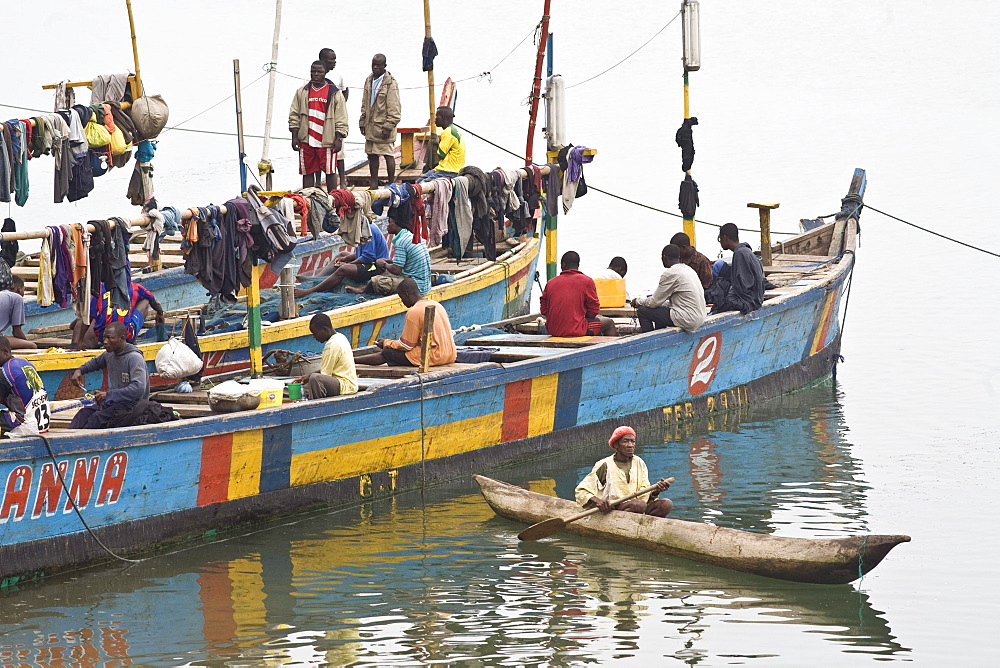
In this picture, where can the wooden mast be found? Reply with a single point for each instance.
(536, 85)
(137, 81)
(264, 166)
(239, 126)
(430, 72)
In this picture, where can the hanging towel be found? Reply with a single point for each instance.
(45, 272)
(108, 87)
(418, 224)
(460, 218)
(81, 261)
(439, 208)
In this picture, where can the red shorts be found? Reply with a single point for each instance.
(312, 159)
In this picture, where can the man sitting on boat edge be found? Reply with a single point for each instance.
(678, 301)
(570, 304)
(409, 260)
(357, 266)
(747, 283)
(337, 374)
(406, 350)
(127, 376)
(22, 392)
(619, 475)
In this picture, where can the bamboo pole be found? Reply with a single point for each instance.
(239, 126)
(536, 86)
(264, 167)
(137, 89)
(430, 72)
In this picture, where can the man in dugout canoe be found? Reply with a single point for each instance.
(619, 475)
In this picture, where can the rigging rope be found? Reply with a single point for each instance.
(628, 56)
(937, 234)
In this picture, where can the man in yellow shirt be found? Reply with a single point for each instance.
(451, 147)
(619, 475)
(406, 350)
(337, 374)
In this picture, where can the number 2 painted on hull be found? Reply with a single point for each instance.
(704, 363)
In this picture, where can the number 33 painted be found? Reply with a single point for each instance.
(704, 363)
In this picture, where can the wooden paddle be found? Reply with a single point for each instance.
(554, 525)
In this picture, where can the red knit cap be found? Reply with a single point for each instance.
(618, 433)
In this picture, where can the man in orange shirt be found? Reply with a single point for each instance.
(406, 350)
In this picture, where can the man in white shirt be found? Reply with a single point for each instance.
(679, 300)
(329, 58)
(616, 269)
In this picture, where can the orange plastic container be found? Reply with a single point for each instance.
(611, 292)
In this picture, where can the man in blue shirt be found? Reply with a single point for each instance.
(358, 266)
(22, 392)
(408, 259)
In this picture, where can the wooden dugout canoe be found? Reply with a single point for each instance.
(813, 560)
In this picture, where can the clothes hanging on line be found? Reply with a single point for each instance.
(421, 233)
(438, 210)
(480, 192)
(460, 219)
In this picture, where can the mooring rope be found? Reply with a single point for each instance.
(62, 480)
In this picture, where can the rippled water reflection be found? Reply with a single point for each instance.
(436, 577)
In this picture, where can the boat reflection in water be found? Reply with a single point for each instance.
(437, 577)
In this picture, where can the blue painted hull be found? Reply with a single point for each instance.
(142, 485)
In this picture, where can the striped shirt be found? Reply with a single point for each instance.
(413, 258)
(318, 98)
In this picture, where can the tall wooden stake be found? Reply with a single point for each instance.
(427, 340)
(764, 210)
(536, 85)
(430, 72)
(239, 126)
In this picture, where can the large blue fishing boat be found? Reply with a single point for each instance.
(139, 486)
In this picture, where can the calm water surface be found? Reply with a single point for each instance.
(791, 98)
(436, 577)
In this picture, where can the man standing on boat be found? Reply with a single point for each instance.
(692, 258)
(380, 114)
(317, 120)
(337, 374)
(570, 304)
(405, 351)
(329, 58)
(450, 149)
(619, 475)
(127, 376)
(679, 299)
(409, 260)
(746, 289)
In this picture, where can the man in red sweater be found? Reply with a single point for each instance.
(570, 304)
